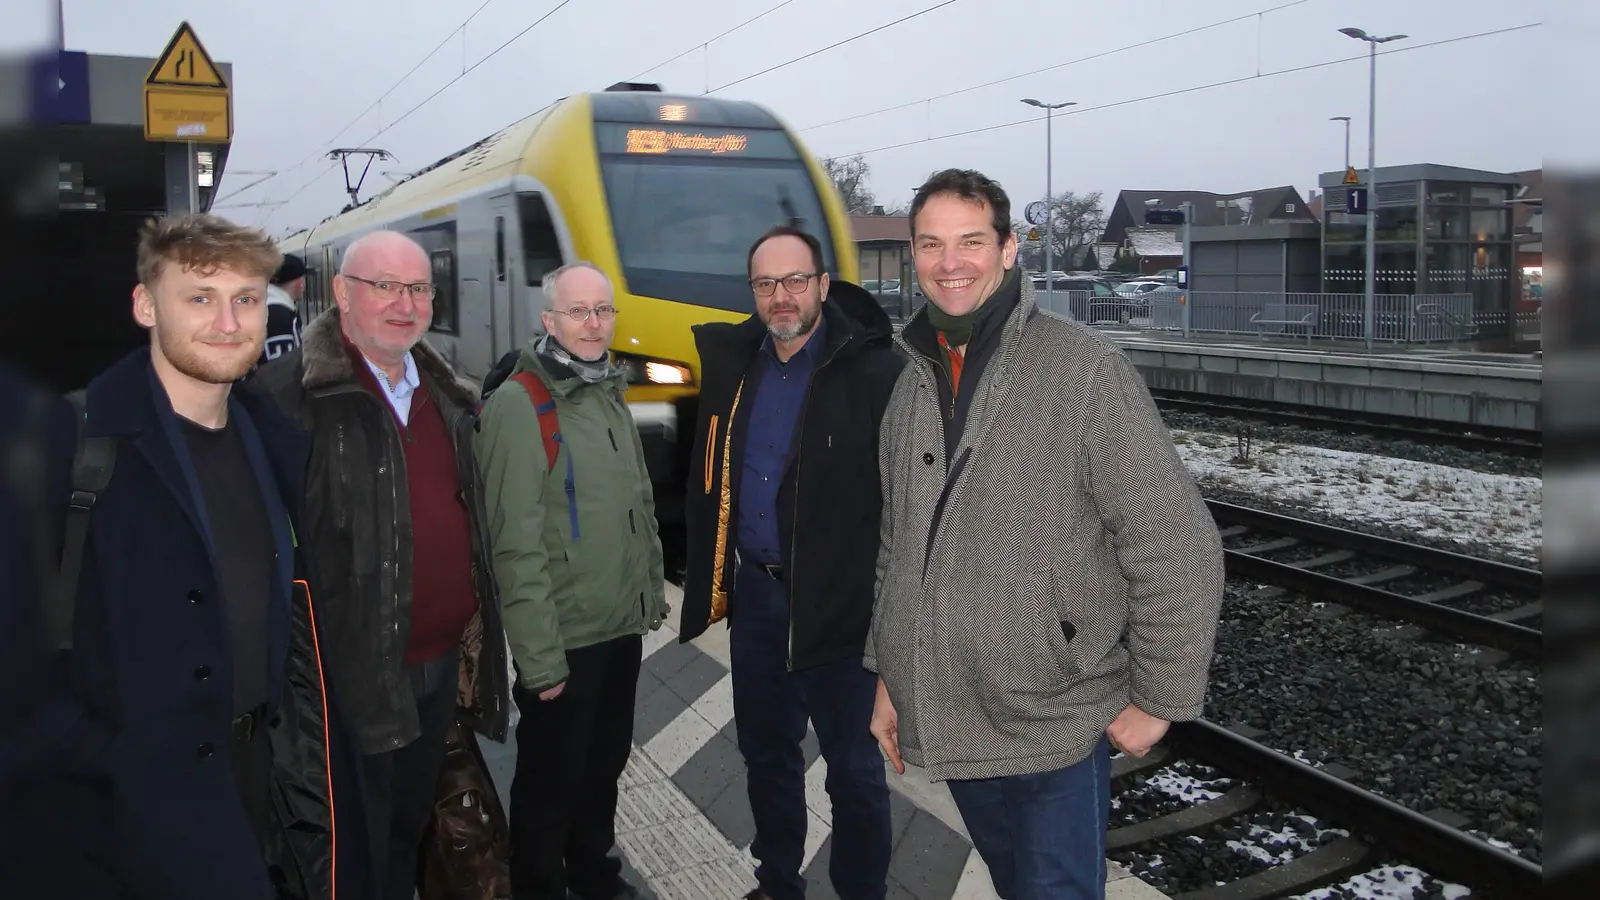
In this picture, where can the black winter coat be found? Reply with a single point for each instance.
(138, 797)
(829, 503)
(359, 515)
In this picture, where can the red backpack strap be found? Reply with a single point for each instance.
(545, 407)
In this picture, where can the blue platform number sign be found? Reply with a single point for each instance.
(1183, 277)
(1355, 201)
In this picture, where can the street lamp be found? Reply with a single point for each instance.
(1346, 121)
(1372, 162)
(1049, 200)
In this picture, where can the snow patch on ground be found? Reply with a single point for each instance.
(1385, 883)
(1470, 508)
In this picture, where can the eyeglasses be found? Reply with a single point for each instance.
(421, 290)
(794, 283)
(581, 314)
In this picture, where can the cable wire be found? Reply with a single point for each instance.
(1197, 88)
(1102, 55)
(407, 114)
(711, 40)
(847, 40)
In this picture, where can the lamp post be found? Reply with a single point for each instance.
(1346, 121)
(1372, 163)
(1049, 199)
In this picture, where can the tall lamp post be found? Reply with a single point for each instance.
(1049, 198)
(1346, 121)
(1372, 163)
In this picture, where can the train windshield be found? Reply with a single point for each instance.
(686, 205)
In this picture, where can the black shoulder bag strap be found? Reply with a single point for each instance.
(91, 472)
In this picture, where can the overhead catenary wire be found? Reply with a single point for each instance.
(712, 40)
(446, 86)
(1195, 89)
(1102, 55)
(325, 145)
(835, 44)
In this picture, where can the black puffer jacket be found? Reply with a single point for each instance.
(829, 503)
(361, 528)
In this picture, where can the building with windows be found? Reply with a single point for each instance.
(1439, 230)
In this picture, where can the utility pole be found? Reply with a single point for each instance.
(1372, 167)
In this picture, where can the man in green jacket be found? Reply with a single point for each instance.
(578, 562)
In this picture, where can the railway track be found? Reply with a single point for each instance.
(1473, 600)
(1512, 442)
(1377, 827)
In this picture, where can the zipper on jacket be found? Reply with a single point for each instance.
(614, 448)
(794, 525)
(631, 527)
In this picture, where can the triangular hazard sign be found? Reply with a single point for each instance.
(1350, 176)
(186, 63)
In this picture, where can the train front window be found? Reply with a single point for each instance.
(684, 225)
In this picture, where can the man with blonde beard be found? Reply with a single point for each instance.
(186, 687)
(395, 513)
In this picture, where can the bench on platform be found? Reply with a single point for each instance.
(1286, 315)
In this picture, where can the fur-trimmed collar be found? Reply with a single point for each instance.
(326, 362)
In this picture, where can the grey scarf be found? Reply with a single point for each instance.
(591, 372)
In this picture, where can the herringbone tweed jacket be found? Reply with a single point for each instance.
(1074, 568)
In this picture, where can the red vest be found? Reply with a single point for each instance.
(442, 596)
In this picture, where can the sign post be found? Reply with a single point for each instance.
(187, 100)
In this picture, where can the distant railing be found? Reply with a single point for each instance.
(1309, 317)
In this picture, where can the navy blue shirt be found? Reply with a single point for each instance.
(780, 391)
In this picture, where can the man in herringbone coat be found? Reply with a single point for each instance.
(1049, 579)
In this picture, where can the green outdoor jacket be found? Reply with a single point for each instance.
(560, 591)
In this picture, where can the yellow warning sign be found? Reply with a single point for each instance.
(185, 96)
(1350, 176)
(185, 63)
(1033, 234)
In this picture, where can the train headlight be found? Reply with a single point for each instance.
(665, 373)
(644, 370)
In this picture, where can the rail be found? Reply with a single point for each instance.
(1433, 846)
(1482, 438)
(1502, 631)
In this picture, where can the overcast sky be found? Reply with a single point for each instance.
(307, 74)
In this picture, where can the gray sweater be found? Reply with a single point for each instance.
(1074, 569)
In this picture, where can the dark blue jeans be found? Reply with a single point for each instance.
(1043, 836)
(770, 708)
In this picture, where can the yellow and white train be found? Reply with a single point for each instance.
(664, 193)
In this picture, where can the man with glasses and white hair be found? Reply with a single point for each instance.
(395, 512)
(578, 561)
(782, 526)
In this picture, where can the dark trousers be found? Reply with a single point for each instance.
(402, 784)
(770, 708)
(1042, 836)
(570, 753)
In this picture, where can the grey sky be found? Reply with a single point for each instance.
(306, 69)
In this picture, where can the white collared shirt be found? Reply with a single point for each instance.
(399, 394)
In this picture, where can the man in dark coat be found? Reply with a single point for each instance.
(782, 523)
(197, 751)
(395, 517)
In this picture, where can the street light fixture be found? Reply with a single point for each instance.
(1346, 121)
(1049, 199)
(1372, 164)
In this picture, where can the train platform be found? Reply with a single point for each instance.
(683, 820)
(1445, 385)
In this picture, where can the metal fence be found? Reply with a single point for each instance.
(1397, 318)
